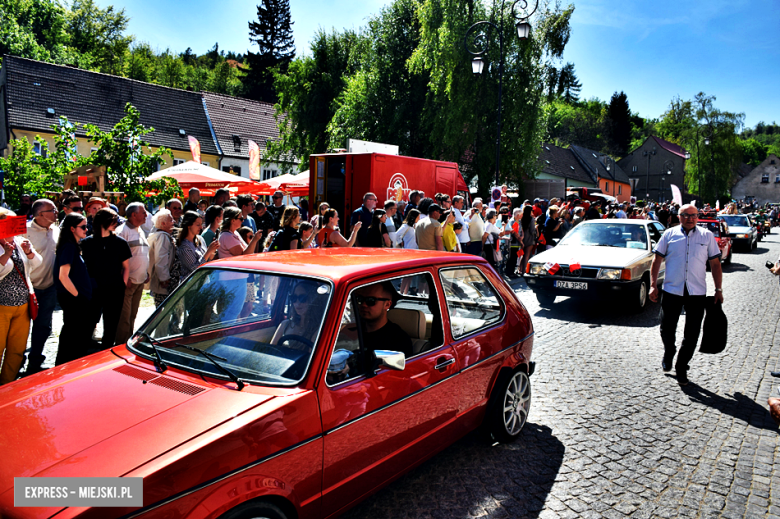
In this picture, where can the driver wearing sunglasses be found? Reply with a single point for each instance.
(379, 333)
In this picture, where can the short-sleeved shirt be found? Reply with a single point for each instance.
(362, 214)
(390, 337)
(284, 237)
(104, 258)
(425, 233)
(208, 236)
(686, 256)
(136, 239)
(375, 237)
(264, 224)
(250, 222)
(69, 254)
(228, 240)
(276, 213)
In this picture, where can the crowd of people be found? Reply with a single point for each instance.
(96, 264)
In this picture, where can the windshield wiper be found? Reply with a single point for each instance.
(211, 357)
(158, 362)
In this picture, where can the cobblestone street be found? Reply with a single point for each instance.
(611, 435)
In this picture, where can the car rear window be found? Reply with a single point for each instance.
(472, 302)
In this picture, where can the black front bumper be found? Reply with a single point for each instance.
(597, 288)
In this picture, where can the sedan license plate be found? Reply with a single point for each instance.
(572, 285)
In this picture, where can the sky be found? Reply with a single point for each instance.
(653, 52)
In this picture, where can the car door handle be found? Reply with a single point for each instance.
(443, 363)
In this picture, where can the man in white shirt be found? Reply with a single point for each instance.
(463, 236)
(476, 228)
(132, 233)
(43, 235)
(686, 249)
(621, 211)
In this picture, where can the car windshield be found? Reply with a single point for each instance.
(713, 227)
(736, 220)
(261, 327)
(623, 235)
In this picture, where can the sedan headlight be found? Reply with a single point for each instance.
(537, 269)
(609, 273)
(744, 236)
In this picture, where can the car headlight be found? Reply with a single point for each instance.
(537, 269)
(744, 236)
(609, 273)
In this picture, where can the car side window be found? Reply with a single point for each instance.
(413, 324)
(472, 302)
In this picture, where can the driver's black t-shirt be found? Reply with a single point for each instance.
(389, 337)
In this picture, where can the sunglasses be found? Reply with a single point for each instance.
(299, 298)
(77, 209)
(82, 227)
(370, 300)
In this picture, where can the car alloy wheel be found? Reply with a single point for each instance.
(641, 296)
(517, 403)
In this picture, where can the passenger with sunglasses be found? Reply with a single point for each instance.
(304, 317)
(74, 289)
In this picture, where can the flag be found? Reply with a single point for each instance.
(254, 161)
(717, 205)
(574, 265)
(194, 148)
(676, 195)
(551, 267)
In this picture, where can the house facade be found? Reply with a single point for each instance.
(612, 180)
(762, 183)
(560, 169)
(34, 96)
(653, 167)
(236, 121)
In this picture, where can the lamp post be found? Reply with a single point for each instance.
(611, 166)
(479, 47)
(648, 154)
(668, 167)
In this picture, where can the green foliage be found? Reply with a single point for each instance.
(568, 85)
(129, 160)
(272, 33)
(767, 135)
(619, 124)
(99, 33)
(581, 123)
(753, 152)
(307, 94)
(28, 172)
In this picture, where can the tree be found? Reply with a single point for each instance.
(129, 160)
(308, 91)
(99, 33)
(619, 124)
(36, 29)
(677, 122)
(753, 152)
(568, 85)
(272, 33)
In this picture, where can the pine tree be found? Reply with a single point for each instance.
(619, 124)
(568, 84)
(272, 32)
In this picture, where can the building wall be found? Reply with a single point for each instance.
(619, 190)
(635, 165)
(274, 168)
(85, 148)
(752, 184)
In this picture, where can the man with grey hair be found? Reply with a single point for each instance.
(457, 209)
(687, 250)
(193, 197)
(43, 235)
(476, 228)
(135, 237)
(176, 209)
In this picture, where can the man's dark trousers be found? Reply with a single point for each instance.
(671, 307)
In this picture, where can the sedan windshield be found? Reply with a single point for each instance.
(621, 235)
(259, 327)
(736, 221)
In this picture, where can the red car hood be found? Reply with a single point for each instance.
(100, 416)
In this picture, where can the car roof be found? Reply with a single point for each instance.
(603, 221)
(342, 263)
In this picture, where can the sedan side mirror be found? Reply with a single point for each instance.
(389, 359)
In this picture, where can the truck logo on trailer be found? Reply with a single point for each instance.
(398, 188)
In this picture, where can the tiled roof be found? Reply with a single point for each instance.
(561, 162)
(597, 164)
(99, 99)
(244, 118)
(670, 146)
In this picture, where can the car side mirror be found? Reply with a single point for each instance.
(653, 243)
(395, 360)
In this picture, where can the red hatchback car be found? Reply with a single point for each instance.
(281, 385)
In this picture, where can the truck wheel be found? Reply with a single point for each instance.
(510, 410)
(545, 300)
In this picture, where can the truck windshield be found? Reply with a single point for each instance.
(261, 326)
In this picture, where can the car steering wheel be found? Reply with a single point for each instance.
(298, 338)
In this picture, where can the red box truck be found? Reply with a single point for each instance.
(341, 179)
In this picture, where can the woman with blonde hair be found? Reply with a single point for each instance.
(230, 242)
(16, 262)
(288, 237)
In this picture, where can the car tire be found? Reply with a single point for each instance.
(753, 246)
(727, 261)
(545, 300)
(255, 510)
(511, 406)
(640, 297)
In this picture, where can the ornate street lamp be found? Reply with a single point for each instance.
(477, 44)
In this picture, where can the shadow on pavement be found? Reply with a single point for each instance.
(740, 406)
(599, 313)
(736, 267)
(471, 478)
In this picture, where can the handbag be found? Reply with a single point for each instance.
(32, 305)
(715, 333)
